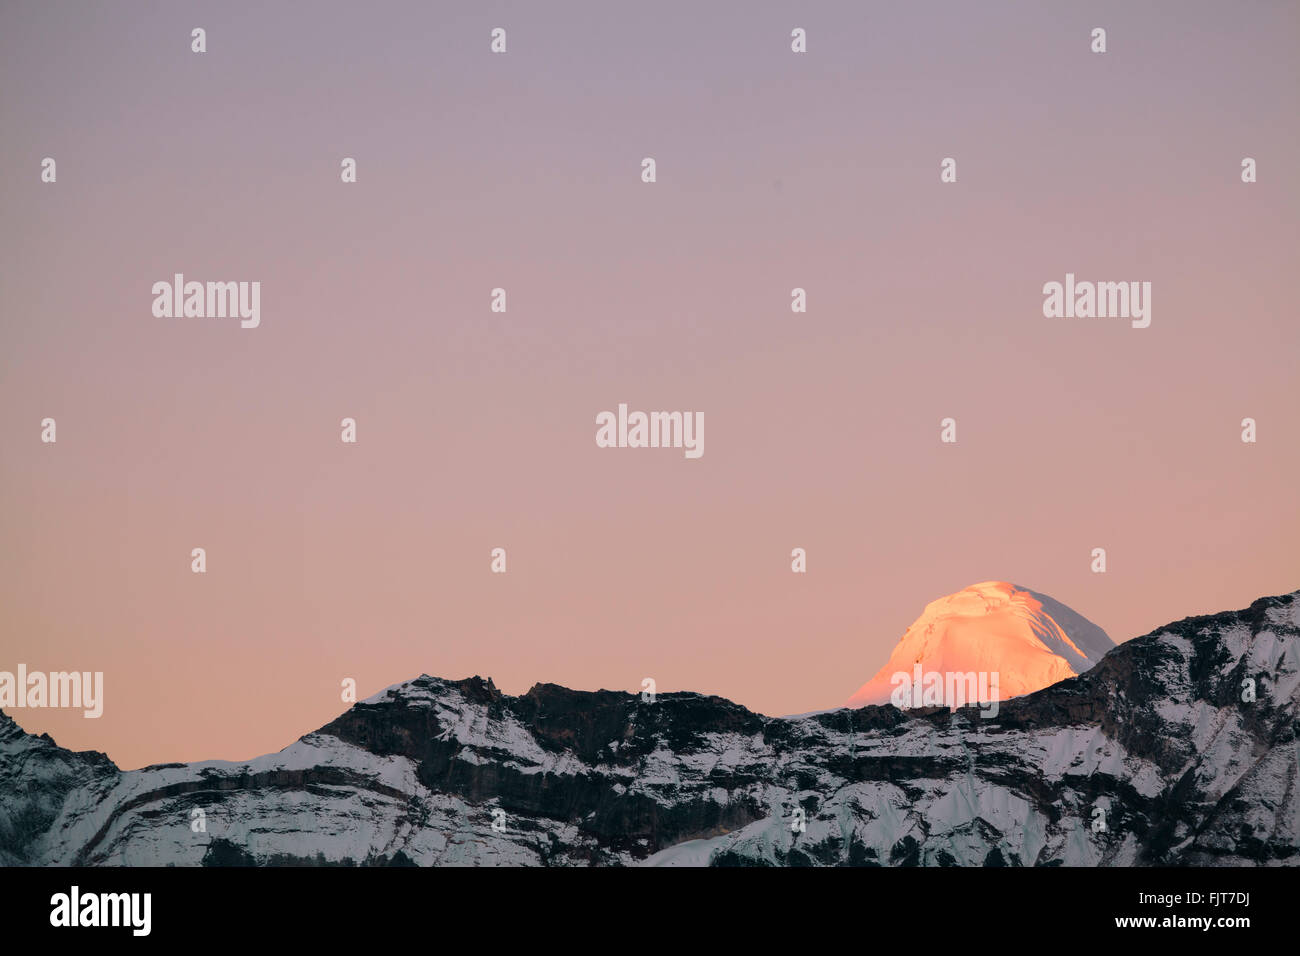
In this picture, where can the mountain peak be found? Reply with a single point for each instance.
(1022, 639)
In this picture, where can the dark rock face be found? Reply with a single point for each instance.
(1179, 748)
(611, 731)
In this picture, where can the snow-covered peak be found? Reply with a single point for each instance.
(1022, 640)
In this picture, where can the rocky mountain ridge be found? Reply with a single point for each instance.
(1158, 755)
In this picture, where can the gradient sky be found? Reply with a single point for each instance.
(477, 430)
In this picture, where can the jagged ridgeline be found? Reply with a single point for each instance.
(1179, 748)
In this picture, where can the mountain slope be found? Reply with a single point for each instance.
(1024, 640)
(1156, 737)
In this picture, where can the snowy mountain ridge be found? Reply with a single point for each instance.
(1150, 757)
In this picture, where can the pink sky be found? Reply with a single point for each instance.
(476, 430)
